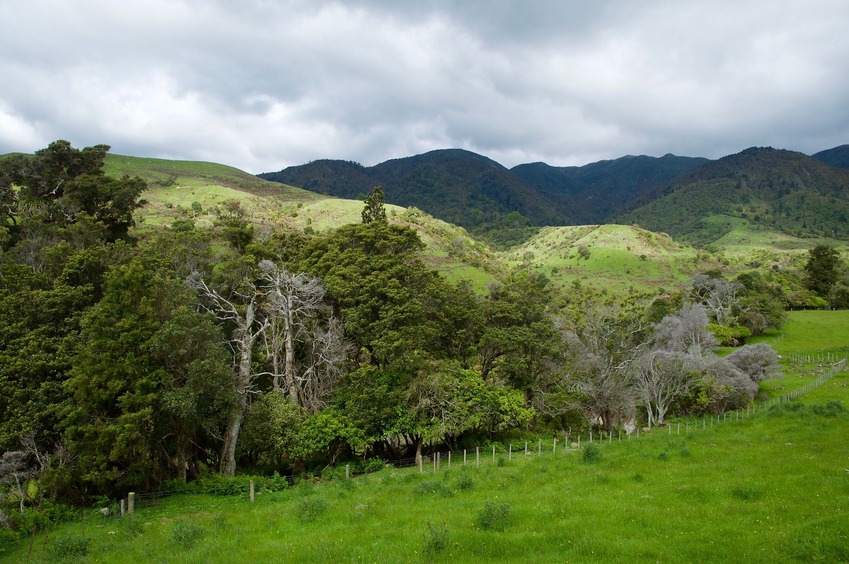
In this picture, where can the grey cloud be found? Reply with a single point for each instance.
(262, 85)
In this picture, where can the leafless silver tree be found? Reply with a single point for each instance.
(717, 294)
(661, 378)
(239, 309)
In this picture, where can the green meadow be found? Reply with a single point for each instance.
(769, 484)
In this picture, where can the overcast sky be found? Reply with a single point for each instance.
(264, 84)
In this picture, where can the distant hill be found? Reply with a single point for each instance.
(598, 191)
(454, 185)
(837, 157)
(771, 189)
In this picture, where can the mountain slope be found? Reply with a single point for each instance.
(455, 185)
(601, 190)
(836, 157)
(771, 189)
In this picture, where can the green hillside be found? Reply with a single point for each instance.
(615, 257)
(771, 190)
(188, 190)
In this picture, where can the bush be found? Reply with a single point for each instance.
(186, 533)
(465, 482)
(494, 516)
(70, 548)
(591, 454)
(435, 539)
(311, 508)
(433, 487)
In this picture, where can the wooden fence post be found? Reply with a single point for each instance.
(251, 484)
(347, 471)
(478, 456)
(122, 508)
(131, 502)
(510, 453)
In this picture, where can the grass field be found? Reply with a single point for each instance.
(770, 487)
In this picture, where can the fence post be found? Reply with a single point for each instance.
(347, 471)
(251, 486)
(438, 460)
(539, 446)
(554, 447)
(510, 453)
(449, 460)
(421, 465)
(477, 456)
(493, 454)
(131, 502)
(464, 457)
(435, 456)
(122, 507)
(526, 448)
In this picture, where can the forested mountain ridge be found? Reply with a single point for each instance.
(786, 191)
(598, 191)
(454, 185)
(771, 189)
(836, 157)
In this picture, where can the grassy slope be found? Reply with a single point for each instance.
(621, 257)
(175, 185)
(770, 487)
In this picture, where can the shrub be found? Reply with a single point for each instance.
(494, 516)
(311, 508)
(186, 533)
(663, 456)
(591, 454)
(433, 487)
(70, 548)
(465, 482)
(746, 492)
(435, 539)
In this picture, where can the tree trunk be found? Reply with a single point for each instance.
(243, 382)
(419, 450)
(289, 341)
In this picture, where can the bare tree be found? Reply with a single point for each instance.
(685, 332)
(294, 306)
(663, 377)
(240, 311)
(717, 294)
(759, 362)
(601, 351)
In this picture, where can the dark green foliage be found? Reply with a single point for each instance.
(774, 189)
(494, 516)
(374, 209)
(454, 185)
(798, 409)
(465, 481)
(591, 454)
(822, 270)
(663, 456)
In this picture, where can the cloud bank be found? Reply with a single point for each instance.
(262, 85)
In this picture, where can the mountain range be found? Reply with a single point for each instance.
(691, 198)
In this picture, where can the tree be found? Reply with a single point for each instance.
(59, 184)
(822, 271)
(685, 332)
(602, 352)
(294, 305)
(717, 294)
(662, 377)
(759, 362)
(239, 313)
(148, 383)
(373, 211)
